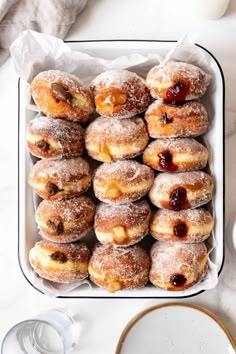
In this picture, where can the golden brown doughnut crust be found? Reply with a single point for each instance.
(59, 179)
(177, 81)
(122, 225)
(120, 94)
(187, 226)
(176, 155)
(61, 263)
(65, 220)
(177, 266)
(122, 181)
(62, 95)
(172, 121)
(54, 138)
(183, 190)
(119, 268)
(108, 139)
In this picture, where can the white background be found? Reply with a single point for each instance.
(103, 320)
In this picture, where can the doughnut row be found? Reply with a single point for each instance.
(61, 176)
(120, 214)
(179, 257)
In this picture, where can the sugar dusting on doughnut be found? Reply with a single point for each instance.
(190, 226)
(62, 263)
(64, 170)
(186, 262)
(163, 78)
(120, 94)
(63, 138)
(168, 120)
(119, 268)
(129, 214)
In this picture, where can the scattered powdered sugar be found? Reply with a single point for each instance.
(167, 180)
(69, 80)
(129, 215)
(117, 77)
(74, 209)
(75, 252)
(61, 131)
(119, 262)
(63, 170)
(193, 217)
(127, 170)
(171, 72)
(176, 145)
(168, 258)
(127, 83)
(116, 130)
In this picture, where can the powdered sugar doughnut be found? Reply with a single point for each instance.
(120, 94)
(122, 225)
(188, 226)
(54, 138)
(119, 268)
(61, 263)
(108, 139)
(172, 121)
(177, 81)
(122, 181)
(177, 266)
(62, 95)
(65, 220)
(176, 155)
(59, 179)
(184, 190)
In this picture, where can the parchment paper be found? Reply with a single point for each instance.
(33, 52)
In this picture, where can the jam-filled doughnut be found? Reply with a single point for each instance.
(177, 81)
(190, 226)
(65, 220)
(62, 95)
(120, 94)
(59, 179)
(177, 266)
(122, 225)
(122, 181)
(54, 138)
(108, 139)
(176, 155)
(117, 268)
(183, 190)
(61, 263)
(164, 120)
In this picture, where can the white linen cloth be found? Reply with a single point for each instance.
(53, 17)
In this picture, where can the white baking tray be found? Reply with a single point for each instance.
(214, 102)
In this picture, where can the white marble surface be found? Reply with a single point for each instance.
(103, 320)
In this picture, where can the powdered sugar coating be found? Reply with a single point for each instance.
(199, 223)
(175, 258)
(73, 269)
(65, 170)
(77, 109)
(164, 76)
(66, 139)
(51, 76)
(128, 266)
(129, 215)
(119, 138)
(123, 82)
(198, 185)
(68, 178)
(122, 175)
(186, 154)
(73, 216)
